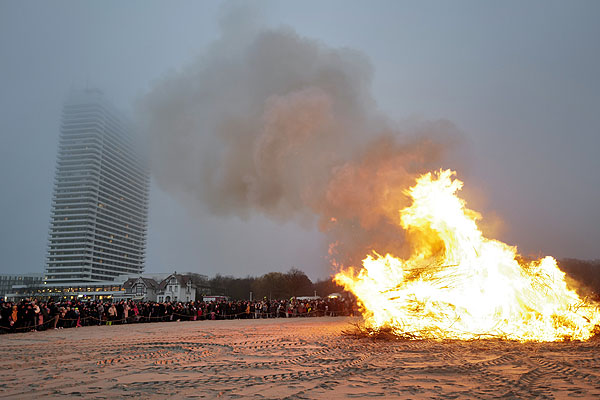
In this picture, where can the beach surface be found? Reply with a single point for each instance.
(300, 358)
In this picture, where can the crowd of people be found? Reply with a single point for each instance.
(35, 315)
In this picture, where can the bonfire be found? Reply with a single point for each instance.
(458, 284)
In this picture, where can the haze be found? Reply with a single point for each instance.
(509, 92)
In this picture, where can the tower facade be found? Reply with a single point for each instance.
(99, 211)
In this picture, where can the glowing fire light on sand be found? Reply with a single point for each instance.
(458, 284)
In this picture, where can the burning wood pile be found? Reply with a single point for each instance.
(458, 284)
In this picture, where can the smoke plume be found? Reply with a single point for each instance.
(268, 121)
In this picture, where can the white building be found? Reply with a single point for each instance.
(177, 288)
(100, 203)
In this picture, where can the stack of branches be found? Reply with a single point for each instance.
(360, 331)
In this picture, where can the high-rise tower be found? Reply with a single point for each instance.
(100, 202)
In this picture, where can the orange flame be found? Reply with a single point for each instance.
(458, 284)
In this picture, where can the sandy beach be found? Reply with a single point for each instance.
(302, 358)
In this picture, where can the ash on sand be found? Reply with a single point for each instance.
(301, 358)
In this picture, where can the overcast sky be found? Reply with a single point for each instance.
(519, 82)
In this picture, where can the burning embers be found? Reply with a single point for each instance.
(458, 284)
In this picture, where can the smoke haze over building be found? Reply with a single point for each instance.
(270, 122)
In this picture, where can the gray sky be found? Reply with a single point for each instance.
(519, 81)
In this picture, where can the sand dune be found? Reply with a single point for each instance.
(296, 358)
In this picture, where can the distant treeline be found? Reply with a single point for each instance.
(584, 272)
(273, 285)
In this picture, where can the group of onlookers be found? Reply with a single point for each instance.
(35, 315)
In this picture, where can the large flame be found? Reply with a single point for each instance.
(459, 284)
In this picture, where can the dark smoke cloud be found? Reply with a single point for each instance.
(267, 121)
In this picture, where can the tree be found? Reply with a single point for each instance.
(584, 275)
(327, 286)
(298, 283)
(272, 286)
(236, 288)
